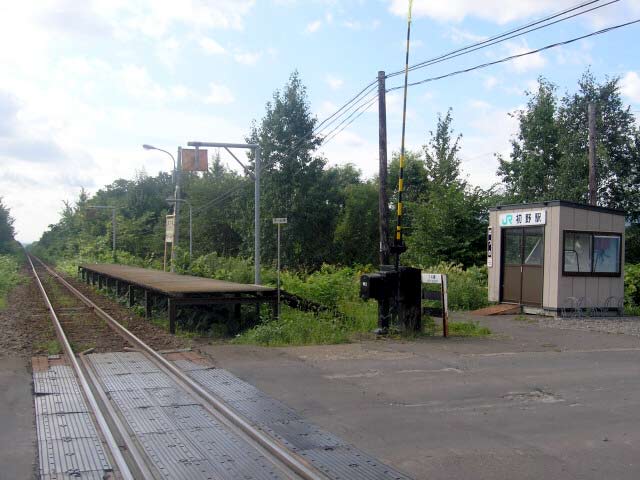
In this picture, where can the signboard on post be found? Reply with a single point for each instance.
(440, 295)
(490, 247)
(192, 164)
(170, 228)
(523, 218)
(280, 221)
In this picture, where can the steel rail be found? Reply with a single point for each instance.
(292, 461)
(118, 458)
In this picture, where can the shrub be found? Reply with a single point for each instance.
(467, 288)
(632, 287)
(9, 275)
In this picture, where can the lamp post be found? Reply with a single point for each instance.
(113, 223)
(173, 201)
(176, 197)
(256, 157)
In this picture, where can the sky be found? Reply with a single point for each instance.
(85, 84)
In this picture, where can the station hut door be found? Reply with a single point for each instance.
(522, 265)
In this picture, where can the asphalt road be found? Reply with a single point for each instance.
(526, 403)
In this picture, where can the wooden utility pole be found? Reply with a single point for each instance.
(383, 201)
(593, 190)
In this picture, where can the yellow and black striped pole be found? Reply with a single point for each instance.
(398, 243)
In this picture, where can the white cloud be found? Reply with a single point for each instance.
(334, 82)
(630, 86)
(535, 61)
(247, 58)
(459, 36)
(490, 81)
(314, 26)
(211, 47)
(219, 95)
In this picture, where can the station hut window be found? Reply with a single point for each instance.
(591, 254)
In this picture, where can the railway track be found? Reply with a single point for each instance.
(130, 458)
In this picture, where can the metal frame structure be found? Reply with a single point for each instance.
(255, 148)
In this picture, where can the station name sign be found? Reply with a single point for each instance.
(523, 218)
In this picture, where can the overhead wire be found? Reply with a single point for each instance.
(519, 55)
(508, 35)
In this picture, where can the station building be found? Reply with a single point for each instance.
(557, 258)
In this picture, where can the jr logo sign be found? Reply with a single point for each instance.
(523, 218)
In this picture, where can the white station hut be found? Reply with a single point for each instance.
(557, 258)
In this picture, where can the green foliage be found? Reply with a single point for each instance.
(7, 241)
(468, 329)
(9, 276)
(632, 286)
(303, 328)
(329, 286)
(549, 158)
(467, 287)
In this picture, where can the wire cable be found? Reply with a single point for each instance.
(517, 32)
(330, 137)
(513, 57)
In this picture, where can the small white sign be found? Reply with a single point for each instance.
(489, 247)
(431, 278)
(280, 220)
(170, 228)
(523, 218)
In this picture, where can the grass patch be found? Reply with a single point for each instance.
(468, 329)
(9, 276)
(304, 328)
(51, 347)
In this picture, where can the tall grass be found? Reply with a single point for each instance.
(9, 276)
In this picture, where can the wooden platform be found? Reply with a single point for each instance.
(180, 290)
(500, 309)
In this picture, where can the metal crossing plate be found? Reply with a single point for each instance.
(58, 403)
(60, 426)
(223, 384)
(72, 456)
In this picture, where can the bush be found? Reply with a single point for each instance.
(467, 288)
(632, 287)
(9, 275)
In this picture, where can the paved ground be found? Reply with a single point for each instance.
(17, 427)
(529, 402)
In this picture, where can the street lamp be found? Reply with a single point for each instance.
(176, 197)
(113, 222)
(173, 201)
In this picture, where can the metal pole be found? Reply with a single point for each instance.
(278, 271)
(256, 240)
(593, 190)
(113, 222)
(176, 211)
(383, 201)
(190, 233)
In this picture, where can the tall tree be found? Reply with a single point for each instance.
(294, 182)
(6, 229)
(530, 174)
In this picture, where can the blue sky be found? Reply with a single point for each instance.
(84, 84)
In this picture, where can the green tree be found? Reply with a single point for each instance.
(294, 182)
(530, 173)
(7, 231)
(356, 235)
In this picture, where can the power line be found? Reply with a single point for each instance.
(517, 32)
(328, 138)
(219, 198)
(513, 57)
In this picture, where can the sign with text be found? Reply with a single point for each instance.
(431, 278)
(192, 164)
(523, 218)
(489, 247)
(280, 221)
(170, 228)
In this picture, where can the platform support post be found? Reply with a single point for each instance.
(100, 282)
(147, 304)
(171, 307)
(117, 289)
(132, 296)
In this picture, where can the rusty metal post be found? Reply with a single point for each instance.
(147, 304)
(172, 310)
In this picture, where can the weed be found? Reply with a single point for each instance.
(468, 329)
(51, 347)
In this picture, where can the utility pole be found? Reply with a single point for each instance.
(383, 201)
(176, 210)
(593, 191)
